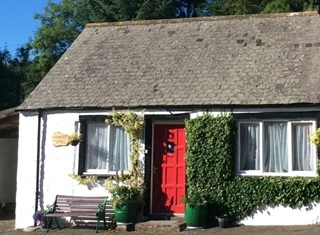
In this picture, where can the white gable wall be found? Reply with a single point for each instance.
(56, 163)
(26, 172)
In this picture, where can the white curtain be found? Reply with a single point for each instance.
(301, 150)
(97, 147)
(275, 147)
(119, 155)
(249, 146)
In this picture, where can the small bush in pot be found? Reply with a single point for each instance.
(196, 212)
(127, 197)
(223, 221)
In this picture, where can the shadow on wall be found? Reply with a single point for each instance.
(42, 162)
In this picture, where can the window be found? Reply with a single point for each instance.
(276, 148)
(106, 148)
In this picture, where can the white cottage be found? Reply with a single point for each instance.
(264, 68)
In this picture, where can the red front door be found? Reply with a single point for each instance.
(169, 168)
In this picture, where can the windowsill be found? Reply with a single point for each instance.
(101, 175)
(278, 174)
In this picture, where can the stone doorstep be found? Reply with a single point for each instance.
(174, 225)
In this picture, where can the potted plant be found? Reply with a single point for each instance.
(196, 208)
(75, 138)
(127, 197)
(223, 221)
(223, 215)
(40, 219)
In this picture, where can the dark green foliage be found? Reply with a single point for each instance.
(195, 196)
(157, 9)
(125, 196)
(10, 79)
(242, 7)
(288, 6)
(210, 154)
(211, 144)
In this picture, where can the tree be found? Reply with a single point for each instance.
(288, 6)
(10, 82)
(60, 25)
(242, 7)
(157, 9)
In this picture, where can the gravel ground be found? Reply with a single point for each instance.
(7, 227)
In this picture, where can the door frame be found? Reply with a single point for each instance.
(174, 122)
(150, 121)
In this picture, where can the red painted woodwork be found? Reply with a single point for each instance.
(169, 168)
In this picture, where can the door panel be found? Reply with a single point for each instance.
(169, 168)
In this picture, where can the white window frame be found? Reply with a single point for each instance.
(102, 171)
(290, 172)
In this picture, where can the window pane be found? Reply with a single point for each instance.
(96, 147)
(249, 146)
(301, 150)
(119, 156)
(275, 147)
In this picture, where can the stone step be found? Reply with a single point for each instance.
(155, 226)
(161, 226)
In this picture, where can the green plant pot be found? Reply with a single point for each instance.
(196, 216)
(126, 214)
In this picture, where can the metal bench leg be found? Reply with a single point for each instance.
(98, 222)
(48, 220)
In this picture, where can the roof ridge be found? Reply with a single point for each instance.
(197, 19)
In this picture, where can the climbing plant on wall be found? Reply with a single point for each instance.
(133, 124)
(211, 155)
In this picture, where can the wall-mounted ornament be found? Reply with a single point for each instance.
(60, 139)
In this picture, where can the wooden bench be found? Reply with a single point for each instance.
(79, 207)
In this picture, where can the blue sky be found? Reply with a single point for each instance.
(17, 24)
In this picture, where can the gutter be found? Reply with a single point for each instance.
(37, 193)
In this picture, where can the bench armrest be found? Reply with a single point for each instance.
(101, 209)
(51, 208)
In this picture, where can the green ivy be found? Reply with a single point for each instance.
(211, 156)
(132, 123)
(90, 180)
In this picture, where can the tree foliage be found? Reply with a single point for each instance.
(10, 80)
(242, 7)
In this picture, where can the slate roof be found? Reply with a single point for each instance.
(230, 60)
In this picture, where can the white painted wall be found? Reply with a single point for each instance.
(58, 162)
(26, 172)
(8, 169)
(55, 166)
(280, 215)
